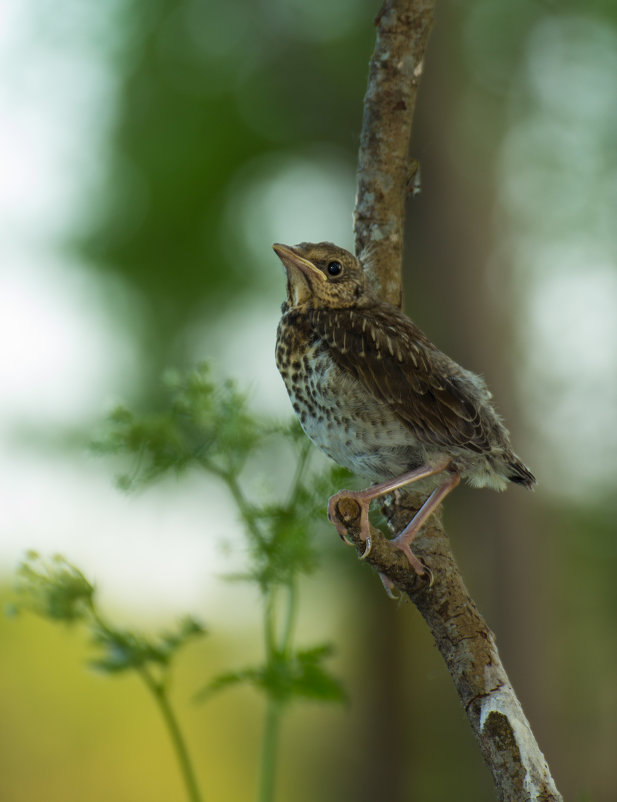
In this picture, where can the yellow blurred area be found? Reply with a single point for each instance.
(69, 733)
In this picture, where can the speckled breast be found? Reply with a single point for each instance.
(339, 415)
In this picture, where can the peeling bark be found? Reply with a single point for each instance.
(463, 638)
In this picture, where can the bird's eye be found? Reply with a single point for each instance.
(335, 268)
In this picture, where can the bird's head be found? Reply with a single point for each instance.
(323, 275)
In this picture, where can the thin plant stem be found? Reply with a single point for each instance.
(276, 642)
(270, 623)
(299, 474)
(290, 616)
(272, 722)
(243, 505)
(274, 707)
(269, 750)
(158, 689)
(179, 744)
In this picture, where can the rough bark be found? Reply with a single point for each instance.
(465, 642)
(385, 172)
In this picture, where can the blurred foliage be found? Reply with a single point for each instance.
(203, 89)
(57, 590)
(207, 425)
(284, 679)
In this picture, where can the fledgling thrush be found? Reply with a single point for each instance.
(375, 395)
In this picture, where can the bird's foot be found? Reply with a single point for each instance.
(402, 544)
(340, 518)
(361, 499)
(403, 541)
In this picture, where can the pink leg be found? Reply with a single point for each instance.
(364, 498)
(403, 540)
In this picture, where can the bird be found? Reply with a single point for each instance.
(378, 397)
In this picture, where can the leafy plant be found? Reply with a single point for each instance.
(59, 591)
(207, 425)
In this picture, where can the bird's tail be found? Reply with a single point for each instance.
(520, 474)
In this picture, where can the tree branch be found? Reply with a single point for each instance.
(467, 645)
(384, 169)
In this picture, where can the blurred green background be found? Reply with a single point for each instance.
(152, 152)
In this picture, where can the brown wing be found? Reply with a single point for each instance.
(440, 402)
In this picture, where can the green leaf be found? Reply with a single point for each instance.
(57, 590)
(123, 650)
(228, 679)
(284, 678)
(312, 680)
(205, 424)
(53, 589)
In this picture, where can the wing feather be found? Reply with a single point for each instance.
(440, 402)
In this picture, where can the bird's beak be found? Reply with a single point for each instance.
(290, 258)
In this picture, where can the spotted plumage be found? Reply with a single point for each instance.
(372, 391)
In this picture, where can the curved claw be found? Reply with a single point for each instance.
(430, 576)
(367, 548)
(388, 584)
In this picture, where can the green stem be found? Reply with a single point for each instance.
(290, 616)
(272, 722)
(243, 505)
(274, 708)
(299, 474)
(177, 739)
(276, 644)
(158, 689)
(270, 623)
(269, 750)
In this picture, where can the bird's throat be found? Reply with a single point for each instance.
(298, 288)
